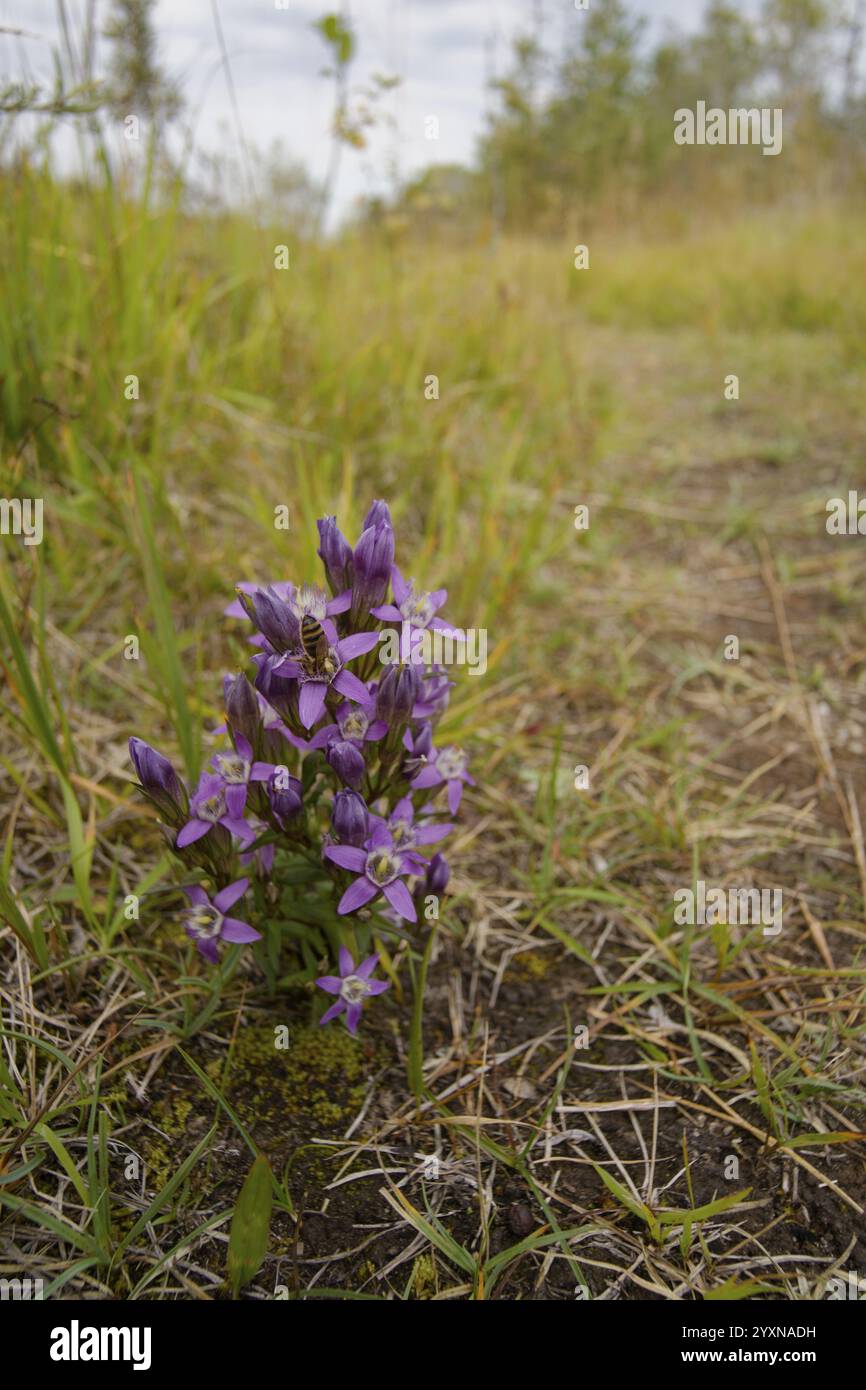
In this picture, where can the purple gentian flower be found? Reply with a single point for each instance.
(353, 986)
(372, 561)
(380, 866)
(396, 695)
(273, 617)
(445, 765)
(310, 599)
(438, 874)
(331, 672)
(355, 723)
(159, 781)
(243, 707)
(280, 692)
(378, 513)
(407, 833)
(433, 694)
(285, 794)
(237, 769)
(417, 608)
(419, 746)
(347, 760)
(208, 808)
(350, 821)
(236, 608)
(335, 553)
(206, 922)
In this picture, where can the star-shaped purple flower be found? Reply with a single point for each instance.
(407, 834)
(206, 923)
(355, 724)
(353, 986)
(208, 807)
(380, 866)
(445, 765)
(433, 695)
(331, 671)
(417, 608)
(236, 769)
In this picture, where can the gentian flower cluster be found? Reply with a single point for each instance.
(327, 793)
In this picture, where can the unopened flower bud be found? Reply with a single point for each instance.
(349, 819)
(242, 709)
(335, 554)
(160, 782)
(438, 874)
(347, 760)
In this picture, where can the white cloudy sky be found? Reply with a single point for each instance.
(443, 50)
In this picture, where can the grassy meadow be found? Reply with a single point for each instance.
(708, 1141)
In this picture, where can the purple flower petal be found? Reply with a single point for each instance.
(366, 968)
(209, 950)
(341, 604)
(378, 986)
(192, 831)
(378, 729)
(322, 737)
(429, 776)
(455, 792)
(401, 587)
(239, 828)
(432, 834)
(400, 898)
(379, 835)
(227, 897)
(288, 667)
(353, 1017)
(332, 983)
(260, 772)
(233, 930)
(350, 686)
(197, 895)
(236, 799)
(312, 702)
(294, 739)
(347, 857)
(387, 613)
(356, 895)
(333, 1011)
(357, 645)
(347, 965)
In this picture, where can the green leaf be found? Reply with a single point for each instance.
(251, 1223)
(624, 1196)
(731, 1290)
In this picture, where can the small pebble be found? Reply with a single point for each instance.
(520, 1219)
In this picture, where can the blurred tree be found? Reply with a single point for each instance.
(135, 83)
(354, 112)
(724, 58)
(513, 155)
(593, 124)
(796, 40)
(589, 135)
